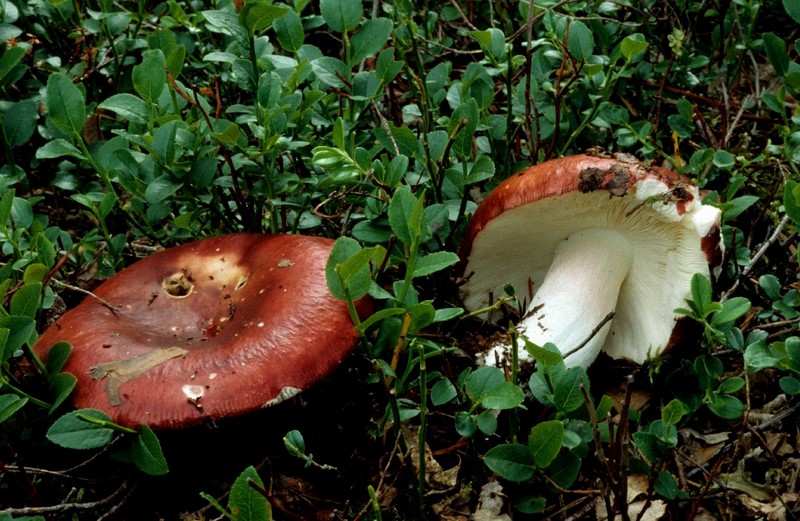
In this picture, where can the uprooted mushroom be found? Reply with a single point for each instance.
(209, 329)
(602, 249)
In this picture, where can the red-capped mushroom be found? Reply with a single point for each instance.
(585, 238)
(209, 329)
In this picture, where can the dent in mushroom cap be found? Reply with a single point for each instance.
(512, 239)
(253, 317)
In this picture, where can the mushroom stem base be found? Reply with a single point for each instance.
(571, 307)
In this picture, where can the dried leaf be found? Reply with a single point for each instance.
(640, 509)
(491, 503)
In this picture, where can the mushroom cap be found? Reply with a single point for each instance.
(512, 237)
(213, 328)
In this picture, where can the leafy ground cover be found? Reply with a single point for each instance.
(132, 126)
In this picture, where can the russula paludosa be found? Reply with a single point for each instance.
(213, 328)
(586, 238)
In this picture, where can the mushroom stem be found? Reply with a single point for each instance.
(577, 294)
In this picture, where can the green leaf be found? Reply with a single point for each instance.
(481, 381)
(466, 117)
(792, 8)
(341, 15)
(378, 316)
(289, 30)
(791, 200)
(9, 61)
(58, 148)
(434, 262)
(9, 404)
(567, 395)
(736, 206)
(6, 204)
(150, 76)
(482, 169)
(701, 293)
(775, 48)
(673, 412)
(127, 106)
(36, 273)
(163, 39)
(442, 392)
(19, 122)
(147, 454)
(175, 60)
(632, 46)
(226, 22)
(370, 39)
(160, 189)
(545, 442)
(74, 433)
(466, 424)
(66, 106)
(26, 300)
(257, 15)
(708, 368)
(20, 329)
(731, 385)
(792, 347)
(666, 485)
(581, 40)
(406, 216)
(513, 461)
(546, 356)
(61, 386)
(387, 67)
(487, 422)
(163, 147)
(246, 503)
(790, 385)
(422, 316)
(492, 41)
(503, 395)
(725, 406)
(355, 275)
(731, 310)
(758, 356)
(724, 159)
(648, 445)
(330, 71)
(294, 443)
(445, 314)
(771, 286)
(564, 470)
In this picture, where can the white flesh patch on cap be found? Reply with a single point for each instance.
(286, 393)
(579, 291)
(518, 247)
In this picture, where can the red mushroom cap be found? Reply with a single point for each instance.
(209, 329)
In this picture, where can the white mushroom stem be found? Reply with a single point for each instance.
(577, 294)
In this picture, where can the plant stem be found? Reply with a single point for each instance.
(423, 426)
(20, 392)
(106, 424)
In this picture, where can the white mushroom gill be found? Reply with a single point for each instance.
(577, 294)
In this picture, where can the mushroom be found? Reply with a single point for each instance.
(603, 248)
(213, 328)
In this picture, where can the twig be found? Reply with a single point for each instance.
(385, 127)
(594, 332)
(756, 256)
(110, 306)
(463, 16)
(45, 472)
(122, 491)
